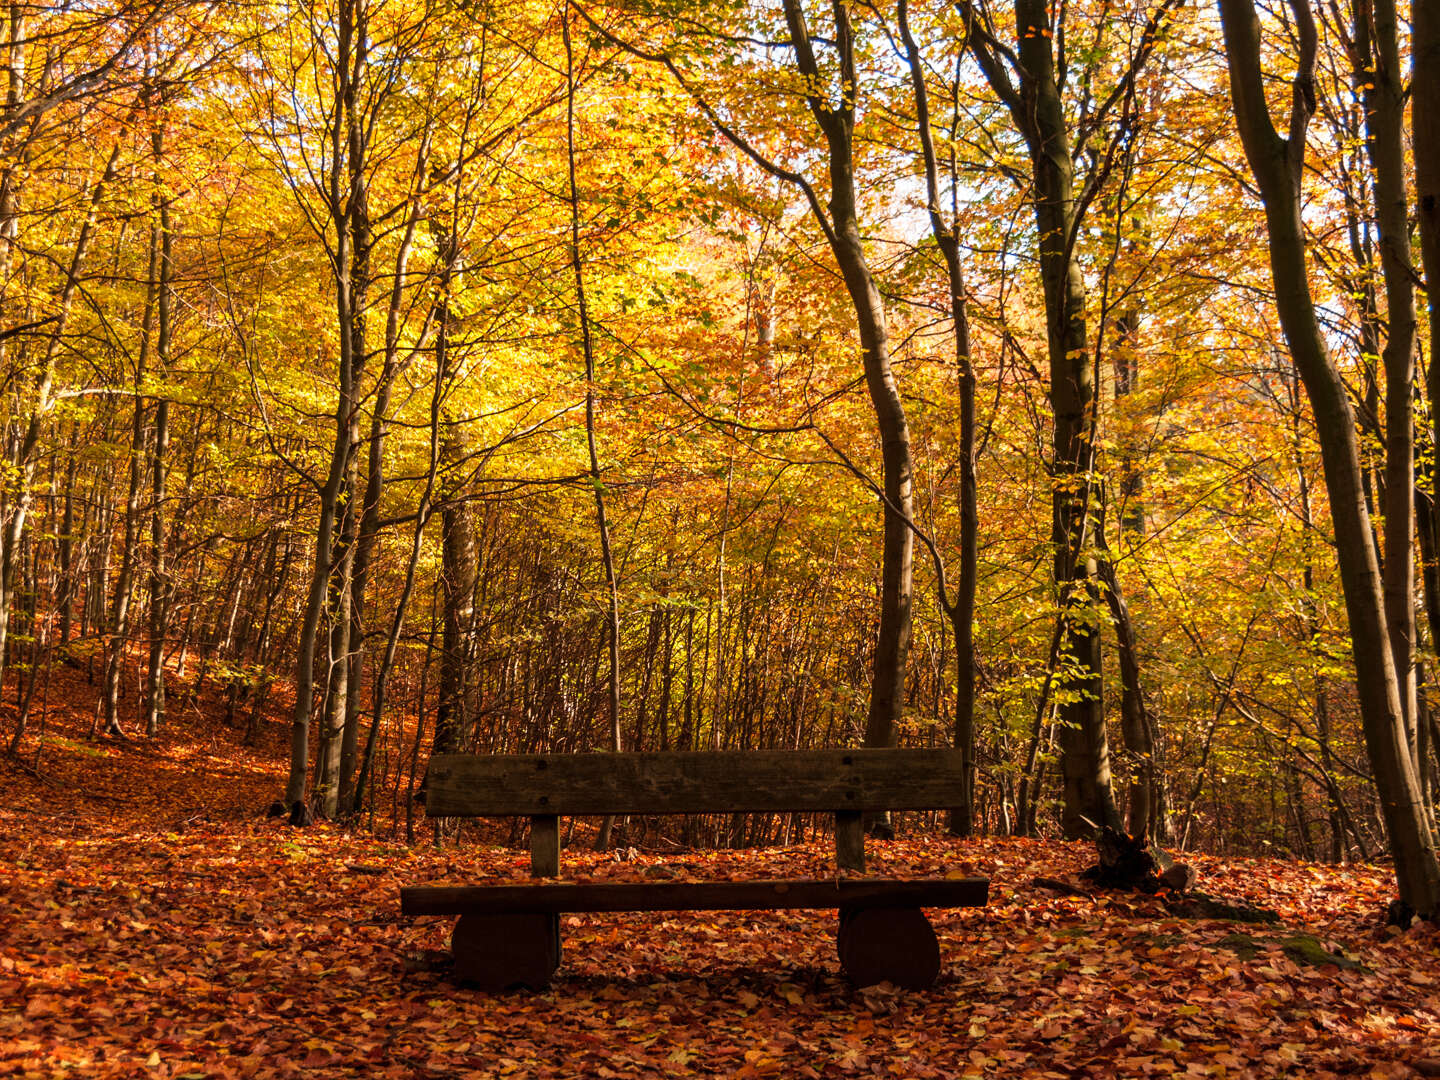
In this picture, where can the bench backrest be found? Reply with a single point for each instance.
(546, 786)
(502, 785)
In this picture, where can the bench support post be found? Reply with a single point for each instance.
(497, 952)
(888, 944)
(545, 845)
(849, 841)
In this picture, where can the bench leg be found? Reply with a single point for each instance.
(498, 952)
(895, 945)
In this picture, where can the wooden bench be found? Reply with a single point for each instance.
(509, 935)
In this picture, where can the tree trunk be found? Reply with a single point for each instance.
(351, 785)
(960, 612)
(607, 557)
(1089, 802)
(129, 559)
(1037, 110)
(457, 605)
(1425, 140)
(326, 796)
(65, 586)
(1425, 147)
(343, 192)
(1148, 810)
(1378, 56)
(160, 585)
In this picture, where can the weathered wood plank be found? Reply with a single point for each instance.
(694, 895)
(778, 781)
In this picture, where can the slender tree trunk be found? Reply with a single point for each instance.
(380, 683)
(607, 557)
(161, 587)
(344, 192)
(65, 585)
(1037, 109)
(839, 222)
(458, 570)
(842, 231)
(129, 559)
(326, 795)
(1148, 810)
(351, 786)
(347, 572)
(1377, 48)
(960, 611)
(338, 194)
(1425, 147)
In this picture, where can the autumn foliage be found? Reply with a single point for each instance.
(1053, 382)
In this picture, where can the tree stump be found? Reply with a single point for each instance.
(498, 952)
(895, 945)
(1132, 862)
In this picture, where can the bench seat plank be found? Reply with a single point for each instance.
(694, 895)
(699, 782)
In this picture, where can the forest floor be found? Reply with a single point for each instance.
(153, 923)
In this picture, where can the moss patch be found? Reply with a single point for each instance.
(1302, 948)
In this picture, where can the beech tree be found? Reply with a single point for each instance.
(1030, 80)
(832, 102)
(959, 609)
(1277, 163)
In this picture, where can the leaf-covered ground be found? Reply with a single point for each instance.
(151, 924)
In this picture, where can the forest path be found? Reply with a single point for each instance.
(153, 924)
(196, 769)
